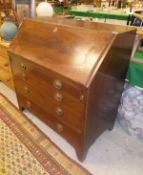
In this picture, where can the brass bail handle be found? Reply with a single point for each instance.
(57, 84)
(58, 97)
(60, 127)
(23, 66)
(59, 111)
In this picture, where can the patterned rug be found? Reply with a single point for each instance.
(25, 150)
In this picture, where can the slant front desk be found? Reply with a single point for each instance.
(71, 75)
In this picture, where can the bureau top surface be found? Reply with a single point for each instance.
(116, 29)
(70, 51)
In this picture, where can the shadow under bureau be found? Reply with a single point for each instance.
(71, 75)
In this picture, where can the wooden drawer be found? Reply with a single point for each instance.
(6, 77)
(49, 92)
(3, 50)
(59, 110)
(73, 94)
(73, 137)
(4, 62)
(5, 57)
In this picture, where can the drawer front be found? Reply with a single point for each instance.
(4, 62)
(69, 134)
(58, 110)
(51, 83)
(6, 77)
(3, 50)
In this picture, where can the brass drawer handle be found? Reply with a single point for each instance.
(57, 84)
(58, 96)
(23, 66)
(28, 104)
(60, 127)
(59, 111)
(24, 77)
(26, 90)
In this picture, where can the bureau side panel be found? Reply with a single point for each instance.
(106, 88)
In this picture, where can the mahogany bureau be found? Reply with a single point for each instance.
(71, 75)
(5, 69)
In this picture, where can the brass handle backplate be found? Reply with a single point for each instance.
(57, 84)
(59, 111)
(28, 104)
(26, 90)
(58, 96)
(23, 66)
